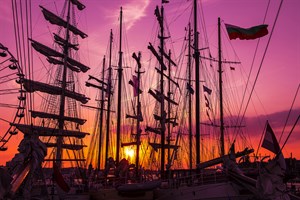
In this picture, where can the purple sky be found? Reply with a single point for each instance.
(280, 73)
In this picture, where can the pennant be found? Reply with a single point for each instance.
(135, 84)
(189, 88)
(206, 89)
(60, 179)
(207, 104)
(108, 92)
(270, 141)
(254, 32)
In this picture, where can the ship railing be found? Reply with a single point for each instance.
(203, 178)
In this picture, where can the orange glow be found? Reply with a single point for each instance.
(129, 153)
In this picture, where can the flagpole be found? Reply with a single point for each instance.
(221, 91)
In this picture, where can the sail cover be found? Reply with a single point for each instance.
(54, 116)
(43, 49)
(45, 131)
(59, 40)
(32, 86)
(47, 51)
(58, 62)
(67, 146)
(54, 19)
(79, 5)
(81, 66)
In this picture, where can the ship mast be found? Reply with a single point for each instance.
(162, 103)
(120, 70)
(60, 90)
(160, 97)
(59, 139)
(101, 117)
(221, 91)
(169, 114)
(109, 88)
(190, 100)
(197, 80)
(139, 117)
(135, 83)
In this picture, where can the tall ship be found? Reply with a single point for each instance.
(162, 126)
(52, 129)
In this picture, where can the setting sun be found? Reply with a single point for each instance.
(129, 152)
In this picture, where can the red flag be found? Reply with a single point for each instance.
(254, 32)
(270, 141)
(60, 179)
(135, 84)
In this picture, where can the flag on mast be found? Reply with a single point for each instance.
(251, 33)
(135, 85)
(270, 142)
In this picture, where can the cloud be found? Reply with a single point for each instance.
(133, 11)
(276, 120)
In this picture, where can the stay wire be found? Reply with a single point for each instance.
(260, 66)
(248, 79)
(289, 134)
(289, 112)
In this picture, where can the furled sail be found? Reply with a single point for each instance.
(54, 19)
(59, 40)
(45, 131)
(47, 51)
(87, 84)
(154, 130)
(156, 146)
(98, 80)
(129, 144)
(81, 66)
(158, 96)
(43, 49)
(32, 86)
(171, 120)
(54, 116)
(79, 5)
(167, 57)
(158, 57)
(58, 62)
(67, 146)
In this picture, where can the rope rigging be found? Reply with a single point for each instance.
(261, 63)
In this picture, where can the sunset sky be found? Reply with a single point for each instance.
(277, 82)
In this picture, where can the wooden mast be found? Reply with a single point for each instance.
(190, 100)
(169, 114)
(109, 87)
(139, 117)
(120, 70)
(221, 91)
(101, 117)
(162, 103)
(61, 123)
(197, 80)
